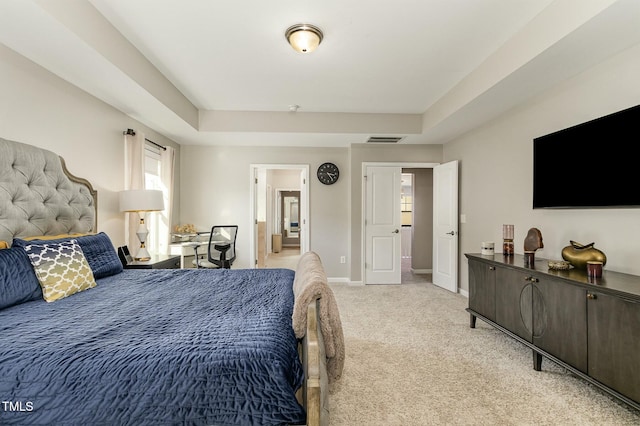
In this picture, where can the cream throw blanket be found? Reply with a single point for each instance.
(309, 285)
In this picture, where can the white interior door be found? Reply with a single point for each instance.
(445, 226)
(382, 225)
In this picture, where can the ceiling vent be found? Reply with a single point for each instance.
(384, 139)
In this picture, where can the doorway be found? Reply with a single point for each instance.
(381, 222)
(416, 214)
(416, 199)
(279, 203)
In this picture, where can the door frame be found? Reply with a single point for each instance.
(363, 239)
(253, 204)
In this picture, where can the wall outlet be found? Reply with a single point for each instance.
(343, 259)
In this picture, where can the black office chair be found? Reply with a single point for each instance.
(221, 251)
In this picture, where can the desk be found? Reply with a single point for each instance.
(186, 249)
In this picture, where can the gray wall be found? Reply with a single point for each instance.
(496, 170)
(215, 188)
(41, 109)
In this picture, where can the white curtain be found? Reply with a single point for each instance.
(167, 161)
(133, 179)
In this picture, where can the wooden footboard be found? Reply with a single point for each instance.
(315, 390)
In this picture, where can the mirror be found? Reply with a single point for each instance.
(290, 218)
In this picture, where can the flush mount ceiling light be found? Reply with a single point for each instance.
(304, 38)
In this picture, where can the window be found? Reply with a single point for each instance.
(152, 181)
(406, 199)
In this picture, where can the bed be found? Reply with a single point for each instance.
(214, 347)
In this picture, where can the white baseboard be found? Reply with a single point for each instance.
(422, 271)
(347, 281)
(343, 280)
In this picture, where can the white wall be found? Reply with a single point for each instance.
(496, 170)
(40, 109)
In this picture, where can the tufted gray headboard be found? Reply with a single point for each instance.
(38, 196)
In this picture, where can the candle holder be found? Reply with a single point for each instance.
(529, 259)
(594, 268)
(487, 248)
(507, 235)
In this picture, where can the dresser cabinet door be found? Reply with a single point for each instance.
(482, 289)
(514, 303)
(614, 343)
(560, 320)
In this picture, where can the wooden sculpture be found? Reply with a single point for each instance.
(533, 240)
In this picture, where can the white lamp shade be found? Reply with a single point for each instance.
(141, 200)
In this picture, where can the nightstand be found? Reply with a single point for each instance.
(162, 261)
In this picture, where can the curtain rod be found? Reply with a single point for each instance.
(132, 133)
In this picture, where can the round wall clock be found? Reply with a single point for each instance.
(328, 173)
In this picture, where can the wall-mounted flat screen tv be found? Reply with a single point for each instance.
(591, 165)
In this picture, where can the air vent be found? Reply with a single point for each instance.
(384, 139)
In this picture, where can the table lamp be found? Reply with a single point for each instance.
(141, 201)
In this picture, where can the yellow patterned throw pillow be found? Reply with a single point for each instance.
(61, 269)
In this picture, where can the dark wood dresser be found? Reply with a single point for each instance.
(591, 326)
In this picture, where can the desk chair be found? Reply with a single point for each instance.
(221, 251)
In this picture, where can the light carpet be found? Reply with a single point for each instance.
(412, 359)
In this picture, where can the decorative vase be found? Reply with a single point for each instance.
(579, 254)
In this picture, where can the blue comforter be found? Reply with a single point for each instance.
(174, 347)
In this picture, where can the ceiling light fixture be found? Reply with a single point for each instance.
(304, 38)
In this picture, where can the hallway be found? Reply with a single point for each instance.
(409, 277)
(286, 258)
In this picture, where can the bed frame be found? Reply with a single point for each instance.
(315, 397)
(38, 196)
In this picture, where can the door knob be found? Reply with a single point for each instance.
(395, 231)
(451, 233)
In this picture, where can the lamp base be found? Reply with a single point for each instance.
(142, 255)
(142, 232)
